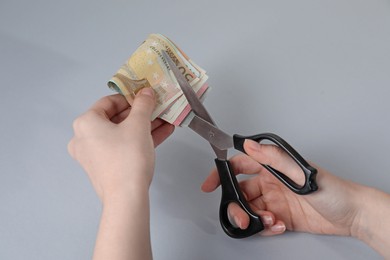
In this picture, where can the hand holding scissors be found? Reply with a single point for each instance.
(204, 125)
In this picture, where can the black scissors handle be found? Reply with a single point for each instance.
(231, 192)
(310, 184)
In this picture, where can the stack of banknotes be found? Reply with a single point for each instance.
(148, 68)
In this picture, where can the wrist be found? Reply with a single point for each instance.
(372, 225)
(124, 231)
(365, 197)
(126, 193)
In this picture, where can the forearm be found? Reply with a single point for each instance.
(373, 222)
(124, 231)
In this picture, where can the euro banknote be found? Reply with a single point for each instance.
(147, 67)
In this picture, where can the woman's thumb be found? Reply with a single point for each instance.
(143, 105)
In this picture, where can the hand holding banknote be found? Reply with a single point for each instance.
(147, 68)
(115, 145)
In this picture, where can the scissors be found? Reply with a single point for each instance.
(204, 125)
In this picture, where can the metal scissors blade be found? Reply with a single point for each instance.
(211, 133)
(188, 92)
(202, 123)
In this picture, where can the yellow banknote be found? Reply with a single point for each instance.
(147, 68)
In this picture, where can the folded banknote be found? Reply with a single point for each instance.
(147, 68)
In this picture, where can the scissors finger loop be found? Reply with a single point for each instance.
(310, 173)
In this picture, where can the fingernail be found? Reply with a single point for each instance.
(147, 91)
(278, 228)
(253, 145)
(267, 220)
(237, 221)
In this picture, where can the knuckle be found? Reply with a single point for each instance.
(75, 148)
(77, 123)
(71, 149)
(81, 122)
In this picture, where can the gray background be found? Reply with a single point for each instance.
(315, 72)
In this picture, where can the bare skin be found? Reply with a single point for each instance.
(339, 207)
(115, 145)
